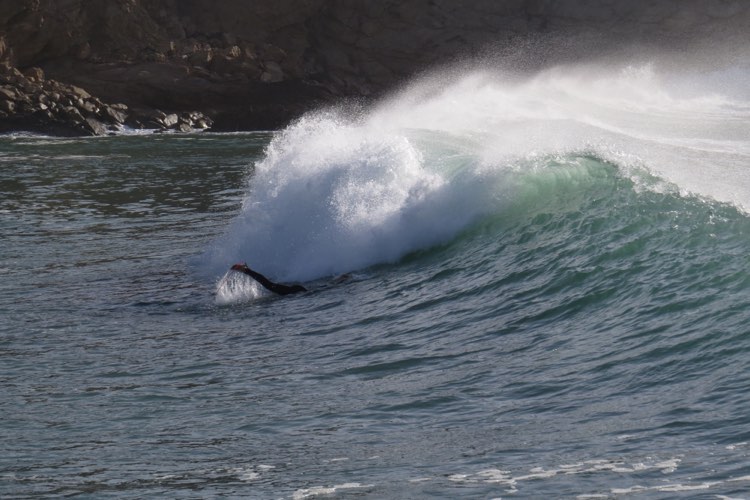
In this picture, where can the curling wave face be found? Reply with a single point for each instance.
(341, 190)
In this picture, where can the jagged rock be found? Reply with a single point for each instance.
(95, 126)
(28, 87)
(170, 120)
(73, 114)
(234, 52)
(7, 93)
(114, 115)
(34, 74)
(89, 107)
(195, 120)
(79, 92)
(140, 118)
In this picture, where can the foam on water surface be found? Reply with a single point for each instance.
(235, 287)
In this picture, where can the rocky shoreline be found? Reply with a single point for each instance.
(31, 103)
(83, 67)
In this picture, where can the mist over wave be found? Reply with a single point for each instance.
(344, 189)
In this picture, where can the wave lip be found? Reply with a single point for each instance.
(339, 191)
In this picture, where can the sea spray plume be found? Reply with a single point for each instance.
(334, 194)
(236, 287)
(664, 121)
(337, 192)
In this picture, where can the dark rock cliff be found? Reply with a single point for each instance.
(252, 65)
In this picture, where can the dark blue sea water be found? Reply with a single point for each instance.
(547, 296)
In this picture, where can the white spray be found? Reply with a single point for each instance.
(336, 193)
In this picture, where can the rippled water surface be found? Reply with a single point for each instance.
(579, 330)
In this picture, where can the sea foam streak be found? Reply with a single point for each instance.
(338, 192)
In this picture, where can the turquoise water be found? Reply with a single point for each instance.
(553, 309)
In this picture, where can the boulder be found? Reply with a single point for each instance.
(114, 115)
(79, 92)
(8, 93)
(94, 126)
(89, 107)
(170, 120)
(34, 74)
(73, 114)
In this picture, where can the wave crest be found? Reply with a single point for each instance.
(342, 190)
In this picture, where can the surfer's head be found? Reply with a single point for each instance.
(240, 267)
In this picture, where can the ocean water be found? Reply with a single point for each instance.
(545, 294)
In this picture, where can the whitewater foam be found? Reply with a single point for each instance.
(341, 190)
(333, 196)
(327, 491)
(236, 287)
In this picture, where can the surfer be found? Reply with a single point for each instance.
(268, 284)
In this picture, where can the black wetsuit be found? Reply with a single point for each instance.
(270, 285)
